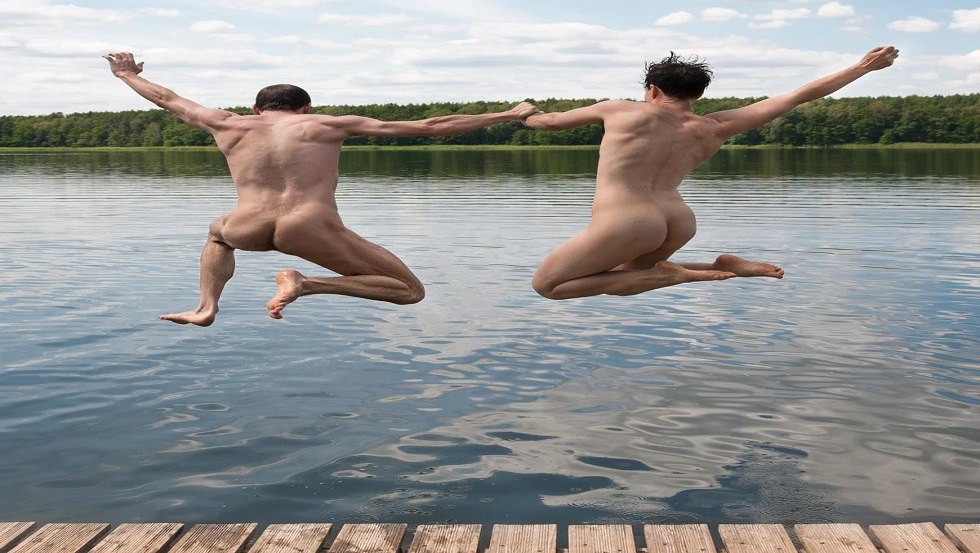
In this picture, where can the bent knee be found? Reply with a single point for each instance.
(215, 229)
(544, 287)
(414, 293)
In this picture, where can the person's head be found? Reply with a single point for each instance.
(282, 97)
(679, 78)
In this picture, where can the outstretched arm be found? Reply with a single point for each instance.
(434, 126)
(570, 119)
(742, 119)
(124, 66)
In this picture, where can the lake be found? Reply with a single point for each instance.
(848, 391)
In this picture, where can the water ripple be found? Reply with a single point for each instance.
(849, 390)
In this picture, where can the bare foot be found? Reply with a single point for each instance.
(682, 275)
(199, 317)
(746, 268)
(290, 284)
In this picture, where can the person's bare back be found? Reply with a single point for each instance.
(284, 162)
(639, 219)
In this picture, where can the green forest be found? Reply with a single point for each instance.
(825, 122)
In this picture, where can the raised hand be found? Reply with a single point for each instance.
(879, 58)
(123, 62)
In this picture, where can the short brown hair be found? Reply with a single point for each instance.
(281, 97)
(679, 78)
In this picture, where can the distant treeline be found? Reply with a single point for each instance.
(883, 120)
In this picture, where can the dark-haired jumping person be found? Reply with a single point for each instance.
(639, 219)
(284, 161)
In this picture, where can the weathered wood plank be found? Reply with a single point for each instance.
(834, 538)
(292, 538)
(214, 538)
(922, 537)
(601, 538)
(524, 538)
(446, 538)
(11, 533)
(756, 538)
(965, 536)
(139, 538)
(678, 538)
(62, 538)
(369, 538)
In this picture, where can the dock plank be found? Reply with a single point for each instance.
(523, 538)
(834, 538)
(601, 538)
(921, 537)
(215, 538)
(756, 538)
(62, 538)
(139, 538)
(292, 538)
(446, 538)
(678, 538)
(965, 536)
(369, 538)
(12, 532)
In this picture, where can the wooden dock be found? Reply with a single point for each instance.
(27, 537)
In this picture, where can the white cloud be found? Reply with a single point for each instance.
(835, 9)
(966, 20)
(437, 51)
(914, 24)
(240, 38)
(413, 78)
(61, 13)
(721, 14)
(927, 76)
(161, 12)
(676, 18)
(50, 77)
(65, 48)
(464, 10)
(278, 4)
(266, 6)
(530, 33)
(314, 42)
(377, 20)
(778, 18)
(967, 62)
(212, 26)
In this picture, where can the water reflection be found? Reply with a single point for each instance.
(729, 163)
(848, 391)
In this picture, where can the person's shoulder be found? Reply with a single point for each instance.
(617, 104)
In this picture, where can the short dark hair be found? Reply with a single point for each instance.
(281, 97)
(679, 78)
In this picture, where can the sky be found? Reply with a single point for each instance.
(221, 52)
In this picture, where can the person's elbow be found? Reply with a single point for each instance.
(433, 128)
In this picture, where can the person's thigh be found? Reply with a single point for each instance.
(604, 245)
(244, 230)
(339, 249)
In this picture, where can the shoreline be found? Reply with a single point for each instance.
(502, 147)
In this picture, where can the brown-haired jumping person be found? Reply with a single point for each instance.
(638, 217)
(284, 161)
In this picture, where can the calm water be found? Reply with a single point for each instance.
(848, 391)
